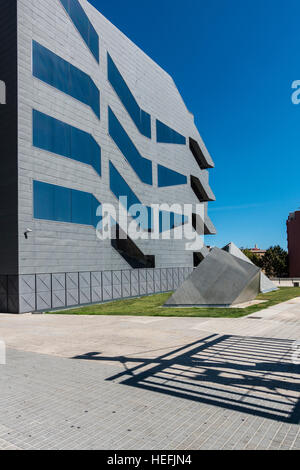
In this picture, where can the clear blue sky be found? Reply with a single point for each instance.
(234, 62)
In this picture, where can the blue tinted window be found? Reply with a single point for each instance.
(142, 166)
(84, 208)
(141, 119)
(94, 42)
(52, 69)
(165, 134)
(60, 204)
(167, 177)
(179, 219)
(83, 24)
(79, 147)
(95, 152)
(43, 201)
(164, 221)
(81, 208)
(50, 134)
(85, 149)
(96, 209)
(119, 188)
(61, 138)
(170, 220)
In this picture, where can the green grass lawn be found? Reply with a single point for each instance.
(152, 306)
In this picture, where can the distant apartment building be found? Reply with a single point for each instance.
(257, 251)
(293, 233)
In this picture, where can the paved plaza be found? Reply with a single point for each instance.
(74, 382)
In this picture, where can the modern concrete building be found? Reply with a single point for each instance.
(293, 233)
(85, 118)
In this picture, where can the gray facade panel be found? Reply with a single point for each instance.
(126, 291)
(58, 299)
(44, 301)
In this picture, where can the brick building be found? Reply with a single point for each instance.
(293, 233)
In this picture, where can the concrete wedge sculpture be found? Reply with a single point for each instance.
(266, 285)
(220, 280)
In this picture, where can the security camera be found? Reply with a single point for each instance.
(27, 231)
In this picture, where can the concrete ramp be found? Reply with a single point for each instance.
(221, 280)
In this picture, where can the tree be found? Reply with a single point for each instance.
(257, 260)
(275, 262)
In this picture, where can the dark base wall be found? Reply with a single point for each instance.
(8, 140)
(43, 292)
(9, 294)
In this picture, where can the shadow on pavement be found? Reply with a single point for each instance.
(246, 374)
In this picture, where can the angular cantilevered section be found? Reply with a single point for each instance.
(210, 229)
(130, 251)
(60, 138)
(83, 25)
(57, 72)
(204, 160)
(203, 227)
(141, 119)
(202, 189)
